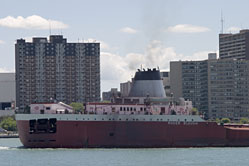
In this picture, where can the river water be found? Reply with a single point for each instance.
(13, 154)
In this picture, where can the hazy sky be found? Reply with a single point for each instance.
(132, 33)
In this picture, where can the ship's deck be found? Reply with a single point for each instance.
(112, 117)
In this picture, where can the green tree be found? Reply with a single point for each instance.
(78, 107)
(244, 121)
(225, 120)
(8, 123)
(194, 111)
(217, 120)
(105, 101)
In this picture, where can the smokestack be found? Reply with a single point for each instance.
(147, 83)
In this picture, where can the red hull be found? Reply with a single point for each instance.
(80, 134)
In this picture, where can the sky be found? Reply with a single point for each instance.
(132, 33)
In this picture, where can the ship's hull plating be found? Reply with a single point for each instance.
(132, 134)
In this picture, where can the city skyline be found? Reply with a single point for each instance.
(132, 34)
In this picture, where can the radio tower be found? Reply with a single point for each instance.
(222, 23)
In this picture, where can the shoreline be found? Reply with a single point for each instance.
(9, 136)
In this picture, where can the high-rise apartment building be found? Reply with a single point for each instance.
(234, 46)
(217, 87)
(228, 90)
(55, 69)
(189, 79)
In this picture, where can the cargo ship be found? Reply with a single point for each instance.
(147, 118)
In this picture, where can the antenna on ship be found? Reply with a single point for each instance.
(222, 22)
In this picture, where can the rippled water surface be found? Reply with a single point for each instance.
(12, 153)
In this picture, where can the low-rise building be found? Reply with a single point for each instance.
(107, 96)
(7, 94)
(125, 88)
(165, 75)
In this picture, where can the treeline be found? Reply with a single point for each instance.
(227, 120)
(8, 123)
